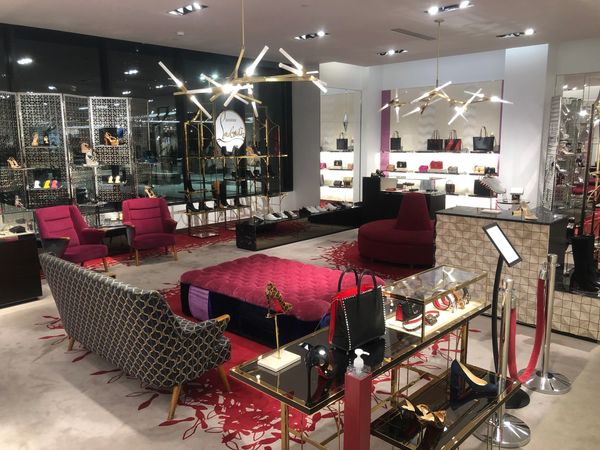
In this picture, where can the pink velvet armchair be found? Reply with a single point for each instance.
(408, 239)
(149, 225)
(65, 233)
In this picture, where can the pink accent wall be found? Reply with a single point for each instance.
(384, 150)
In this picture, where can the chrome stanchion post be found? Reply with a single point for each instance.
(507, 431)
(544, 381)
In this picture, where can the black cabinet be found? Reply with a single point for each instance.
(19, 270)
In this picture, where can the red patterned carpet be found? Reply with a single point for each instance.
(345, 254)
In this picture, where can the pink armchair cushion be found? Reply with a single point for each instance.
(413, 214)
(57, 222)
(91, 236)
(81, 253)
(150, 223)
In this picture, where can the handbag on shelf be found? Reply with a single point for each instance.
(337, 163)
(338, 183)
(406, 310)
(479, 170)
(450, 187)
(322, 165)
(453, 143)
(483, 143)
(436, 165)
(341, 143)
(357, 314)
(347, 181)
(489, 171)
(396, 142)
(435, 143)
(391, 168)
(423, 169)
(453, 170)
(350, 166)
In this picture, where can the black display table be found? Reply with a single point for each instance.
(385, 204)
(252, 235)
(20, 274)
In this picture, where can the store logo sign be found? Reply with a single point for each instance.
(230, 130)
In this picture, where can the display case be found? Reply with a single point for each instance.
(42, 135)
(425, 303)
(340, 145)
(15, 221)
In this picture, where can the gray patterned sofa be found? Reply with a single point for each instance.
(134, 329)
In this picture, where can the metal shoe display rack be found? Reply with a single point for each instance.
(43, 114)
(12, 182)
(113, 115)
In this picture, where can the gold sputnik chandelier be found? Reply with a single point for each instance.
(241, 88)
(437, 93)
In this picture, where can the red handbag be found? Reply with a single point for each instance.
(437, 165)
(453, 143)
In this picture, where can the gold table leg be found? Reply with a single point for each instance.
(285, 427)
(395, 385)
(464, 342)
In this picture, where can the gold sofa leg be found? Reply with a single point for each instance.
(174, 400)
(105, 264)
(71, 343)
(137, 257)
(174, 248)
(223, 377)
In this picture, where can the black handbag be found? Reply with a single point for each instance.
(401, 164)
(435, 143)
(483, 143)
(341, 143)
(337, 163)
(396, 142)
(480, 190)
(357, 314)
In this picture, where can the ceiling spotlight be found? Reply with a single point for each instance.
(583, 113)
(159, 86)
(464, 4)
(24, 61)
(392, 52)
(126, 92)
(131, 72)
(433, 10)
(215, 76)
(306, 36)
(574, 88)
(566, 86)
(51, 88)
(183, 10)
(529, 31)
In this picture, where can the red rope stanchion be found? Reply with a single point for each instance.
(539, 337)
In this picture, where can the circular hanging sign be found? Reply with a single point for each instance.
(230, 130)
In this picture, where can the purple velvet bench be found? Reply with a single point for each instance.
(237, 288)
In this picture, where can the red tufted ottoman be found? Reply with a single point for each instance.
(237, 288)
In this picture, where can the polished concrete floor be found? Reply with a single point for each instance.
(49, 402)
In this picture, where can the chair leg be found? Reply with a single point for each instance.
(71, 343)
(223, 377)
(105, 264)
(137, 257)
(174, 400)
(174, 248)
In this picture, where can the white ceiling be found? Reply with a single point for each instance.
(359, 29)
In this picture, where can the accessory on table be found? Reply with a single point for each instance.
(348, 328)
(425, 415)
(337, 163)
(396, 142)
(453, 170)
(435, 143)
(406, 310)
(443, 304)
(423, 169)
(17, 229)
(453, 143)
(341, 143)
(483, 143)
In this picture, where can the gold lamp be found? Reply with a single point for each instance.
(235, 85)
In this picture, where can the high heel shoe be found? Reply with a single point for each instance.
(275, 302)
(36, 184)
(12, 163)
(91, 160)
(478, 386)
(54, 184)
(426, 416)
(149, 192)
(18, 202)
(46, 139)
(85, 147)
(190, 207)
(109, 139)
(35, 139)
(110, 180)
(47, 184)
(117, 179)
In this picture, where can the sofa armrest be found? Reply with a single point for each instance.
(92, 236)
(56, 246)
(170, 225)
(130, 230)
(204, 342)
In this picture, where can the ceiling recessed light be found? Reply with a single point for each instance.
(215, 75)
(318, 34)
(433, 10)
(159, 86)
(126, 92)
(529, 31)
(566, 86)
(183, 10)
(392, 52)
(131, 72)
(24, 61)
(574, 88)
(51, 88)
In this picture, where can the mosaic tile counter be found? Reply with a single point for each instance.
(461, 241)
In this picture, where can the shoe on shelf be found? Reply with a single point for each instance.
(189, 207)
(109, 139)
(279, 215)
(35, 139)
(312, 209)
(291, 214)
(257, 220)
(117, 179)
(46, 139)
(85, 147)
(321, 209)
(271, 217)
(209, 204)
(110, 180)
(18, 202)
(54, 184)
(478, 386)
(424, 415)
(47, 184)
(37, 184)
(330, 207)
(304, 211)
(90, 160)
(148, 191)
(12, 163)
